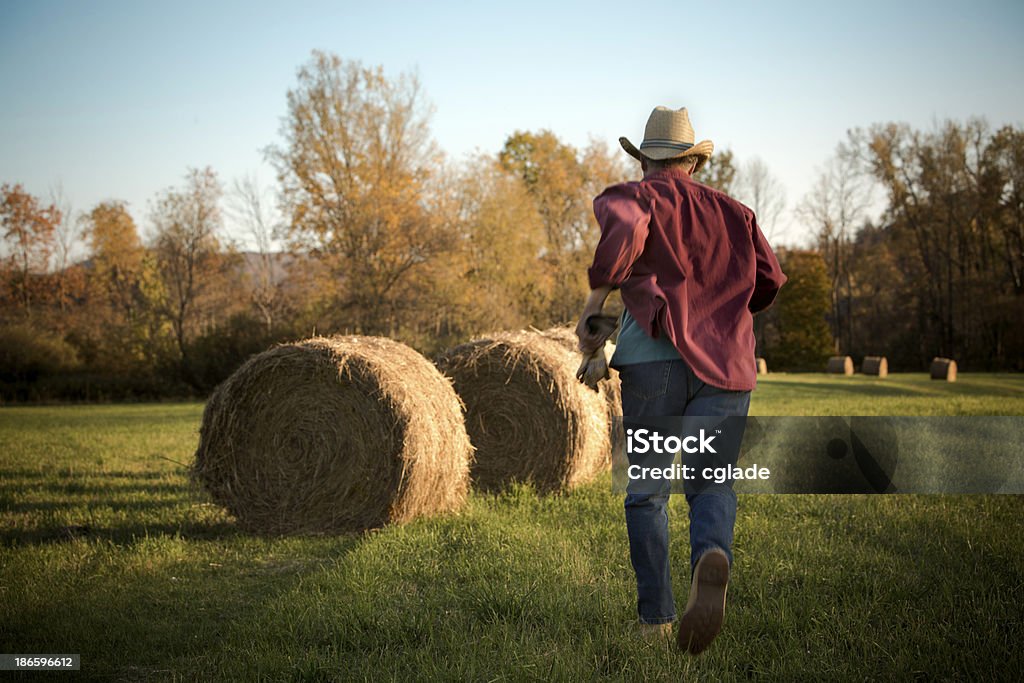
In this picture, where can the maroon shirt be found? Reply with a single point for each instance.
(692, 264)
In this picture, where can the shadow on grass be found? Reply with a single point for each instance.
(131, 532)
(177, 617)
(831, 388)
(122, 535)
(138, 505)
(70, 507)
(895, 386)
(46, 475)
(97, 490)
(138, 603)
(948, 572)
(938, 548)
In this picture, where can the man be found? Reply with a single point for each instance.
(693, 267)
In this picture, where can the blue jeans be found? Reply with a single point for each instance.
(663, 389)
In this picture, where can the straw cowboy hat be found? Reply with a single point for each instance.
(669, 135)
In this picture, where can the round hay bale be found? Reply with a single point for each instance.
(944, 368)
(840, 365)
(611, 388)
(528, 417)
(331, 435)
(564, 335)
(877, 366)
(762, 366)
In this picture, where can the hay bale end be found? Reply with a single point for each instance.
(876, 366)
(839, 365)
(528, 417)
(944, 369)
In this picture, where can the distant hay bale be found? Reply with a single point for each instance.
(762, 366)
(877, 366)
(528, 417)
(334, 434)
(840, 365)
(944, 368)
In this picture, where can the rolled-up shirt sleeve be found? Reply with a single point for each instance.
(769, 277)
(624, 216)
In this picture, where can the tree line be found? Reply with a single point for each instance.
(941, 271)
(369, 229)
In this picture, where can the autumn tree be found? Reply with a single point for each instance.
(116, 253)
(29, 230)
(1004, 161)
(552, 174)
(119, 328)
(602, 166)
(562, 182)
(187, 248)
(885, 299)
(500, 280)
(1005, 168)
(355, 173)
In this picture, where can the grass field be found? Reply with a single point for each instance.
(105, 551)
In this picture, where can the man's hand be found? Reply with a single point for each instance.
(590, 341)
(591, 338)
(593, 369)
(596, 330)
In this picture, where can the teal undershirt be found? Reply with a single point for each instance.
(634, 346)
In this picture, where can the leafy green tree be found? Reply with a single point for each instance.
(553, 176)
(804, 340)
(719, 172)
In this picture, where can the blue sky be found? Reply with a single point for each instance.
(118, 99)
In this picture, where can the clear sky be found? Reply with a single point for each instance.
(118, 99)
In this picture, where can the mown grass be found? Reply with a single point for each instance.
(897, 394)
(105, 551)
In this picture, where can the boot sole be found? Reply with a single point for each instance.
(705, 613)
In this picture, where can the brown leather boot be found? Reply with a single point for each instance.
(705, 610)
